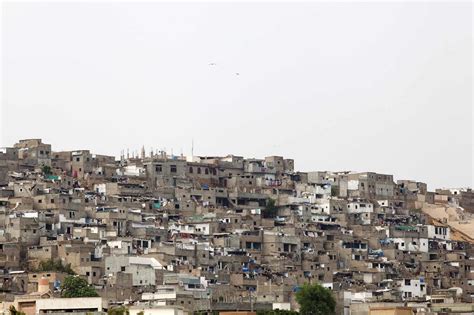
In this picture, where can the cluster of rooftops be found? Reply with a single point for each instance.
(220, 233)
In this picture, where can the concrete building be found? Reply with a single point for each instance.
(172, 234)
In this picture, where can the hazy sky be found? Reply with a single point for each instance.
(383, 87)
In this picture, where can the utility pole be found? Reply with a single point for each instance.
(210, 301)
(251, 301)
(271, 293)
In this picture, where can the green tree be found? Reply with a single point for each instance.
(55, 265)
(13, 311)
(314, 299)
(121, 310)
(46, 170)
(75, 286)
(271, 210)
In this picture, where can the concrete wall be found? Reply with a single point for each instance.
(391, 311)
(158, 311)
(69, 304)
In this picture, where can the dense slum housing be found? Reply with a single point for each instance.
(206, 234)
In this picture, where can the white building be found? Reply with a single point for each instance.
(360, 207)
(161, 294)
(131, 170)
(439, 232)
(142, 268)
(63, 305)
(412, 244)
(158, 310)
(412, 288)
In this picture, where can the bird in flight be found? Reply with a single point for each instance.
(212, 64)
(237, 73)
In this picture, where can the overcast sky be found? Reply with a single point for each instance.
(383, 87)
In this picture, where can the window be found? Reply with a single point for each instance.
(173, 169)
(190, 170)
(78, 159)
(206, 171)
(158, 168)
(407, 282)
(199, 170)
(122, 268)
